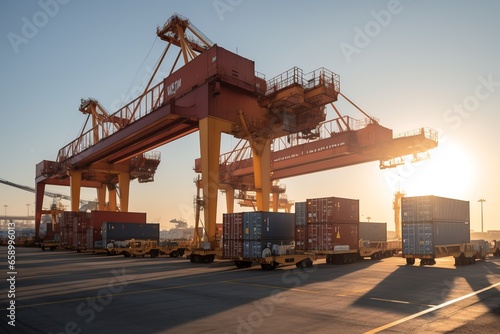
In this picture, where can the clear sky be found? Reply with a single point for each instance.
(411, 64)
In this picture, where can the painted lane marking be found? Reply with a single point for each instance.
(398, 301)
(432, 309)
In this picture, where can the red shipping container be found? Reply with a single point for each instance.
(326, 236)
(332, 210)
(232, 248)
(232, 226)
(99, 217)
(300, 237)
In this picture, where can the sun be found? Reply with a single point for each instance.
(448, 173)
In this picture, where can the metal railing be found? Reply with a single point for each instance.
(427, 132)
(138, 108)
(295, 76)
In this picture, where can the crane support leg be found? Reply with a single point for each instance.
(75, 185)
(210, 129)
(101, 197)
(262, 173)
(229, 199)
(276, 197)
(39, 193)
(124, 182)
(112, 199)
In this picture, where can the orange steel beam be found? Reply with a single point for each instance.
(339, 150)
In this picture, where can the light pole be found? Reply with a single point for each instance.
(482, 200)
(28, 211)
(5, 206)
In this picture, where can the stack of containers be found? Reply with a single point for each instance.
(332, 224)
(74, 225)
(97, 217)
(232, 235)
(429, 221)
(267, 233)
(300, 225)
(258, 234)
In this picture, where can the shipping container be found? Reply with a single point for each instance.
(125, 231)
(371, 231)
(99, 217)
(249, 234)
(434, 208)
(300, 213)
(300, 237)
(268, 225)
(232, 248)
(421, 238)
(332, 236)
(71, 218)
(232, 226)
(332, 210)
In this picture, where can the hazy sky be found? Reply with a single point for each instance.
(411, 64)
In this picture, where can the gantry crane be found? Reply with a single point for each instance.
(214, 91)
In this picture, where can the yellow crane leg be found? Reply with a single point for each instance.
(276, 197)
(262, 174)
(210, 129)
(112, 199)
(229, 199)
(101, 197)
(75, 183)
(124, 183)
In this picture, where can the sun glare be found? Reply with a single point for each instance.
(448, 173)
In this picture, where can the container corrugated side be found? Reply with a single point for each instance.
(332, 210)
(300, 213)
(99, 217)
(232, 248)
(300, 237)
(325, 236)
(268, 225)
(422, 238)
(434, 208)
(371, 231)
(232, 226)
(125, 231)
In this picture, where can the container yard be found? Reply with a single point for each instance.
(324, 252)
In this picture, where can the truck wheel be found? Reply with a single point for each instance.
(410, 261)
(305, 263)
(174, 254)
(267, 266)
